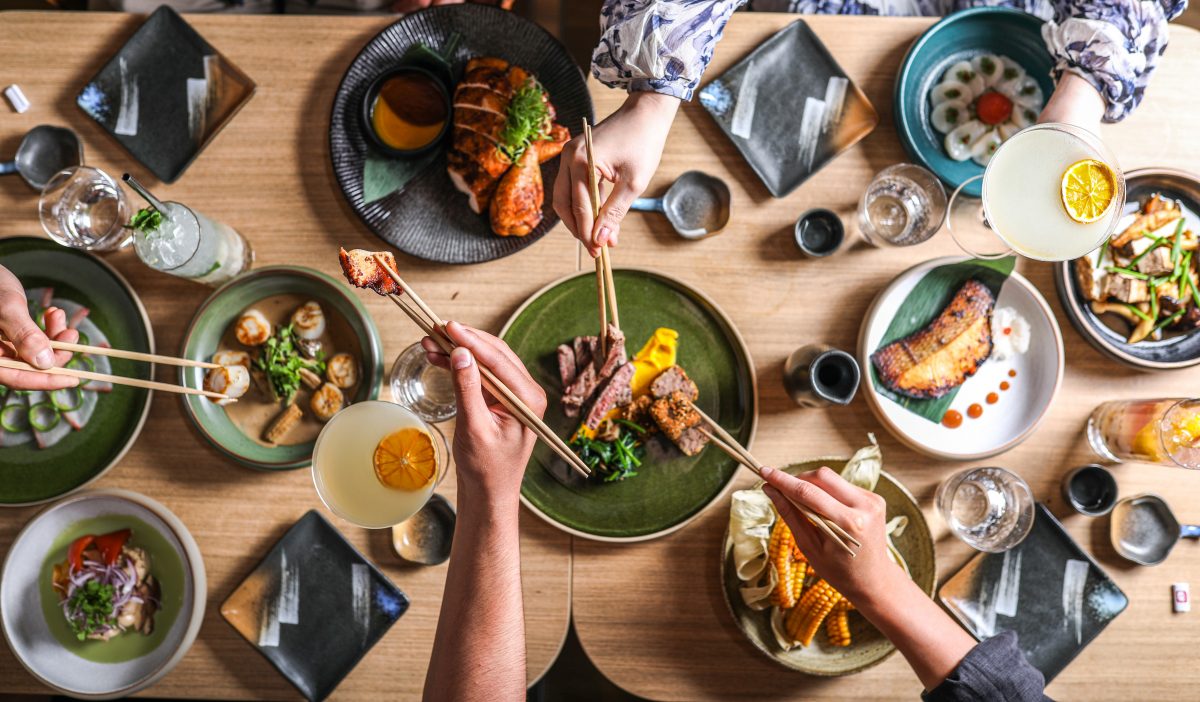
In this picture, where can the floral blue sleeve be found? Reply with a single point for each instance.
(661, 46)
(1113, 44)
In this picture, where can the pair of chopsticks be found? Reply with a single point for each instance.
(725, 441)
(606, 291)
(118, 379)
(435, 328)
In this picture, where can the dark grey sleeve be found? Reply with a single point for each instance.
(993, 671)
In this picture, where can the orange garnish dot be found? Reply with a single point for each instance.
(405, 460)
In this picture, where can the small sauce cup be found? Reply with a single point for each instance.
(406, 111)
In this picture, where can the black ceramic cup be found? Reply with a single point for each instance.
(819, 232)
(368, 107)
(1091, 490)
(819, 376)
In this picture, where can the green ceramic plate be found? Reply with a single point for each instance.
(868, 647)
(220, 311)
(30, 475)
(670, 489)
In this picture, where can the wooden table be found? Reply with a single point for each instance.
(268, 174)
(652, 615)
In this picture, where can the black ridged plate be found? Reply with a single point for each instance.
(429, 218)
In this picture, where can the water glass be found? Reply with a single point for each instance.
(991, 509)
(189, 245)
(421, 386)
(904, 205)
(1163, 431)
(84, 208)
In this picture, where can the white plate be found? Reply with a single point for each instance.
(1004, 424)
(25, 627)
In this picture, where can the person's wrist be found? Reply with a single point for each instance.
(1075, 101)
(489, 499)
(651, 103)
(881, 589)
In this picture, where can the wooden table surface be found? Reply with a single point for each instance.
(268, 175)
(652, 615)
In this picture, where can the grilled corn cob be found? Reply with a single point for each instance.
(805, 618)
(779, 550)
(837, 626)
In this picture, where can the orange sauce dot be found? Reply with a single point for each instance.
(1007, 331)
(952, 419)
(1012, 373)
(1004, 385)
(975, 411)
(992, 398)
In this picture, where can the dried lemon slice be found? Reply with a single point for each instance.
(405, 460)
(1088, 189)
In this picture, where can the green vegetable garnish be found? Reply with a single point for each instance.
(525, 122)
(1168, 321)
(282, 361)
(93, 603)
(1128, 272)
(1134, 309)
(614, 460)
(1178, 245)
(145, 220)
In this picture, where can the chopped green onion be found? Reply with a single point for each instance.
(1168, 321)
(1103, 250)
(1178, 245)
(66, 399)
(1126, 271)
(51, 415)
(1153, 301)
(1136, 310)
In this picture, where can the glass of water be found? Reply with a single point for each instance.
(188, 244)
(904, 205)
(84, 208)
(421, 386)
(989, 508)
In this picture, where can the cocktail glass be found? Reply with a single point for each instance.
(991, 509)
(1163, 431)
(189, 245)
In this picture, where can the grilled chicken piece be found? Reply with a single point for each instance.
(549, 148)
(481, 99)
(516, 208)
(363, 271)
(940, 357)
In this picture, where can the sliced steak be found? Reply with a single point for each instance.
(577, 393)
(585, 347)
(616, 353)
(692, 441)
(674, 379)
(566, 365)
(616, 388)
(674, 414)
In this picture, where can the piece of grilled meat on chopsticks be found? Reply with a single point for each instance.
(363, 271)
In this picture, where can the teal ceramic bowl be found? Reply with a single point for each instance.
(222, 309)
(960, 37)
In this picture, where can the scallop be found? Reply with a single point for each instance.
(308, 321)
(252, 328)
(964, 73)
(327, 401)
(1028, 93)
(342, 370)
(1023, 116)
(985, 146)
(231, 381)
(989, 67)
(229, 357)
(1011, 71)
(1007, 130)
(958, 142)
(950, 90)
(948, 115)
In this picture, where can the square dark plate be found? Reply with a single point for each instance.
(314, 606)
(1047, 590)
(789, 108)
(166, 94)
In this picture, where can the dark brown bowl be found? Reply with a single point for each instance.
(368, 106)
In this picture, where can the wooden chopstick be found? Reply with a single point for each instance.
(606, 290)
(433, 326)
(130, 355)
(114, 379)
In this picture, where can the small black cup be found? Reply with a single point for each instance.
(819, 232)
(368, 106)
(1091, 490)
(818, 376)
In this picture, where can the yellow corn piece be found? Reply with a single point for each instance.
(844, 605)
(779, 550)
(837, 626)
(799, 572)
(805, 618)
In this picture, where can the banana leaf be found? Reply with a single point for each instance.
(925, 302)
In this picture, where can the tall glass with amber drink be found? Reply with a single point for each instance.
(376, 463)
(1164, 431)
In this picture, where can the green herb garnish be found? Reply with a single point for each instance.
(613, 460)
(1168, 321)
(91, 607)
(1178, 245)
(145, 220)
(525, 122)
(281, 360)
(1128, 272)
(1137, 311)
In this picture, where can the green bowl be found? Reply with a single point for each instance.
(222, 309)
(29, 475)
(670, 489)
(868, 647)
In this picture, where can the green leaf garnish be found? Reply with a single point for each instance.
(93, 603)
(145, 220)
(526, 121)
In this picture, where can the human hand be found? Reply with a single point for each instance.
(1074, 102)
(627, 147)
(27, 342)
(491, 446)
(859, 512)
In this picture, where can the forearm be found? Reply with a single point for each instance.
(1074, 101)
(931, 642)
(479, 649)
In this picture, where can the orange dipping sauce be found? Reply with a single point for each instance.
(992, 398)
(953, 419)
(409, 112)
(1004, 385)
(975, 411)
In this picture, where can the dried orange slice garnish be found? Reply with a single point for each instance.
(405, 460)
(1088, 190)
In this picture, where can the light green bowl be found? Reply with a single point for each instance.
(220, 311)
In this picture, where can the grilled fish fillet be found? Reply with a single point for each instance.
(940, 357)
(363, 271)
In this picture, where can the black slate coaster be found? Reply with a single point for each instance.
(314, 606)
(1047, 590)
(166, 94)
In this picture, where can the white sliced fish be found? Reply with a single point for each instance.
(78, 418)
(16, 438)
(950, 90)
(102, 365)
(1023, 116)
(1028, 93)
(39, 402)
(985, 146)
(1012, 70)
(989, 67)
(1007, 130)
(965, 73)
(958, 142)
(949, 115)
